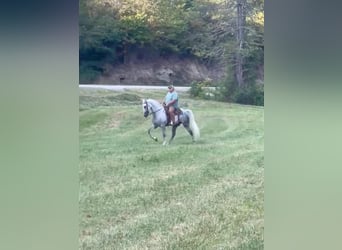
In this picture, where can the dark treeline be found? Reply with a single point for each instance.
(225, 32)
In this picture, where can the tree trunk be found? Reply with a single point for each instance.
(240, 25)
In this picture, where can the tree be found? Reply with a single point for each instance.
(240, 40)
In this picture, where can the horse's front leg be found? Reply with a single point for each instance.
(149, 133)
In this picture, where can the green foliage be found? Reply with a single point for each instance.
(226, 88)
(259, 94)
(203, 29)
(89, 71)
(99, 36)
(228, 91)
(185, 27)
(201, 89)
(252, 95)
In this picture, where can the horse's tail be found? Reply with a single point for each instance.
(193, 125)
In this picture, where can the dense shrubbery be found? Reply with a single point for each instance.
(252, 94)
(202, 89)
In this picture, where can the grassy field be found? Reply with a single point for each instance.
(137, 194)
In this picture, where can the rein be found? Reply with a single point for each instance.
(156, 110)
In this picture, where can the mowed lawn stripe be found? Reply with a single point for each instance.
(197, 204)
(188, 189)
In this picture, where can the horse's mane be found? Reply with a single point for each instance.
(154, 102)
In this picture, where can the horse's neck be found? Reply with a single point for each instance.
(158, 110)
(155, 105)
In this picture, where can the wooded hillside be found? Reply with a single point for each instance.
(224, 37)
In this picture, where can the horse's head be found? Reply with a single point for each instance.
(146, 107)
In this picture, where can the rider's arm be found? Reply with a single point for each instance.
(164, 101)
(173, 99)
(171, 102)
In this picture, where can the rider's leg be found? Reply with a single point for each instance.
(172, 114)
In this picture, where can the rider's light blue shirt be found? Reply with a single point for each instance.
(172, 96)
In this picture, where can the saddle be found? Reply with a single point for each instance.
(178, 112)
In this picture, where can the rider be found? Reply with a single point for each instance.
(171, 102)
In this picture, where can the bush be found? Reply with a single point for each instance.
(252, 95)
(259, 94)
(89, 71)
(201, 90)
(227, 91)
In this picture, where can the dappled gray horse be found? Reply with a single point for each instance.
(159, 119)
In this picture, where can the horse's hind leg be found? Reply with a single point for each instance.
(174, 128)
(186, 126)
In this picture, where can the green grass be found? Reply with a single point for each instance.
(137, 194)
